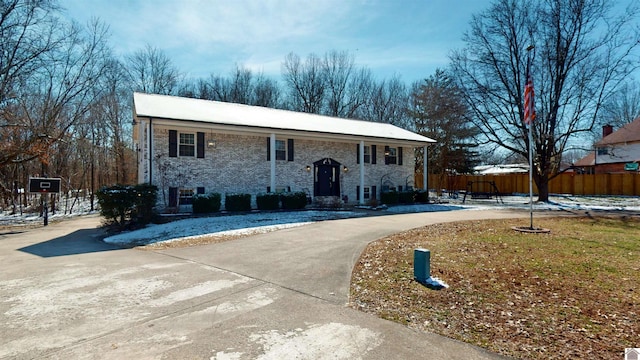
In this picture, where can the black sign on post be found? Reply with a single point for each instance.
(44, 185)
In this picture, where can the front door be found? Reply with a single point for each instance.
(327, 178)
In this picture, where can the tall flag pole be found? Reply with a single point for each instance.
(529, 117)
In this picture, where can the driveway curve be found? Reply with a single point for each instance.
(279, 295)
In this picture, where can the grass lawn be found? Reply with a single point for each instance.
(573, 293)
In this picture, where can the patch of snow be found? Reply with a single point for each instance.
(225, 225)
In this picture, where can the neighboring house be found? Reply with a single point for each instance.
(617, 152)
(187, 146)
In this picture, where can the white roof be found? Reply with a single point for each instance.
(222, 113)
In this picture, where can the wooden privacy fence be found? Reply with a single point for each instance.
(567, 183)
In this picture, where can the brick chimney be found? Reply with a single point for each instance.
(607, 130)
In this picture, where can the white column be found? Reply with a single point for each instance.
(361, 195)
(425, 174)
(272, 156)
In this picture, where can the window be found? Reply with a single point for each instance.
(186, 196)
(367, 155)
(603, 150)
(367, 193)
(281, 150)
(187, 145)
(391, 155)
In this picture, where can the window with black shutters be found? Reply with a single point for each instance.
(281, 150)
(390, 155)
(187, 145)
(284, 149)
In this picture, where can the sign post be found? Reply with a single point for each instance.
(44, 186)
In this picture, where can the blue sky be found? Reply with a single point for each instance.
(409, 38)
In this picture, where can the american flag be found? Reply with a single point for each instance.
(529, 105)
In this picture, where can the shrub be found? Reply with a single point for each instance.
(206, 203)
(294, 200)
(237, 202)
(421, 196)
(389, 198)
(268, 201)
(406, 197)
(122, 203)
(146, 196)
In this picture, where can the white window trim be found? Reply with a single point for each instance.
(180, 144)
(284, 142)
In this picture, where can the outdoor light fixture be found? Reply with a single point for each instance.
(308, 168)
(345, 169)
(211, 143)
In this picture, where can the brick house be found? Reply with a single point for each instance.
(617, 152)
(187, 146)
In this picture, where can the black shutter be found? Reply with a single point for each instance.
(268, 149)
(173, 143)
(173, 197)
(373, 154)
(200, 190)
(200, 145)
(289, 149)
(373, 192)
(268, 189)
(386, 155)
(400, 155)
(358, 192)
(357, 153)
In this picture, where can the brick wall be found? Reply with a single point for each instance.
(238, 164)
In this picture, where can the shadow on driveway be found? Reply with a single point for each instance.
(83, 241)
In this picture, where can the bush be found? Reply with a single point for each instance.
(406, 197)
(294, 200)
(237, 202)
(123, 203)
(389, 198)
(268, 201)
(421, 196)
(206, 203)
(146, 196)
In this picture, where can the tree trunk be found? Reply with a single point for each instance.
(542, 182)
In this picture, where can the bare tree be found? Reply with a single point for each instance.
(266, 92)
(581, 56)
(622, 107)
(305, 83)
(347, 88)
(151, 71)
(51, 99)
(388, 103)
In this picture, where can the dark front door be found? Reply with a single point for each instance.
(327, 178)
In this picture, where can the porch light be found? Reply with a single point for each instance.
(308, 168)
(211, 144)
(345, 169)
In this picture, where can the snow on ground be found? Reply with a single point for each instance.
(261, 222)
(223, 225)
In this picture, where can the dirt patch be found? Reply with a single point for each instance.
(570, 293)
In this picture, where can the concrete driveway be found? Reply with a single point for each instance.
(64, 294)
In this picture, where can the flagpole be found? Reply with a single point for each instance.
(530, 128)
(531, 175)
